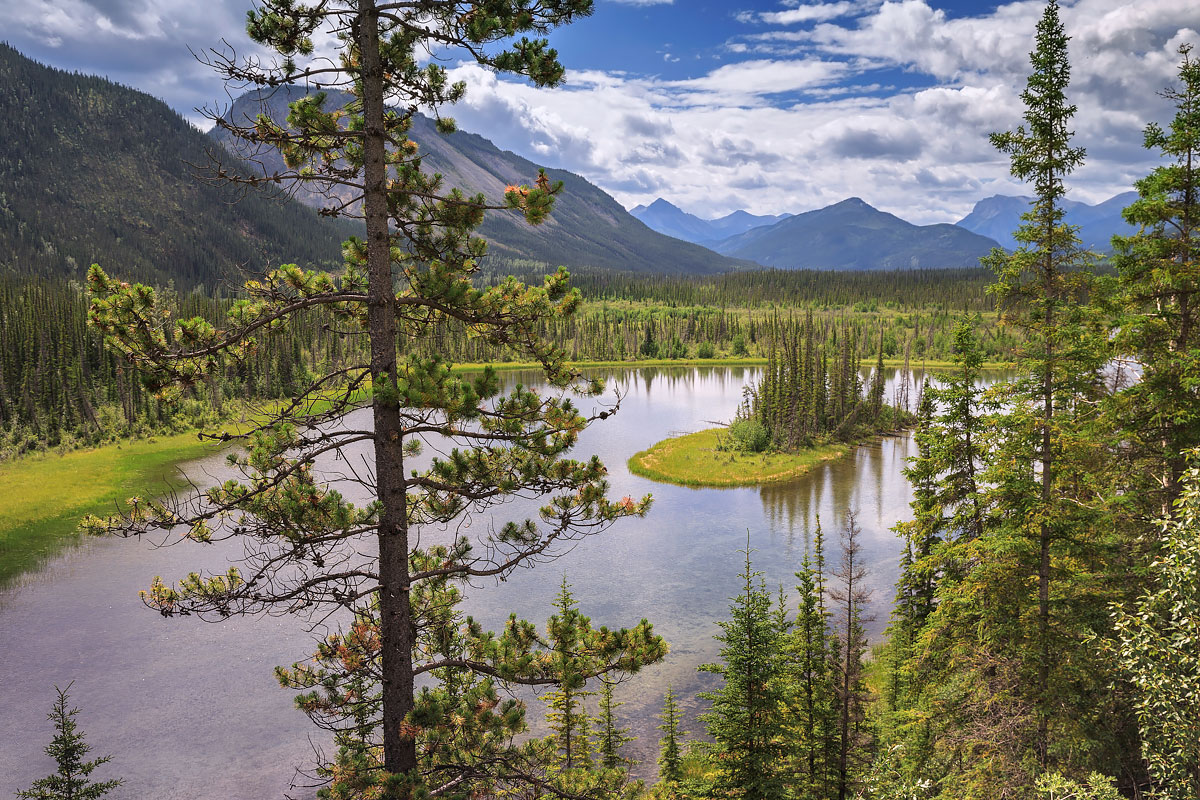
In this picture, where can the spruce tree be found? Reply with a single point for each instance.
(1159, 280)
(810, 722)
(610, 737)
(567, 715)
(744, 720)
(72, 781)
(1045, 287)
(410, 277)
(670, 750)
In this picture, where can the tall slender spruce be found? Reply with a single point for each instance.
(1044, 287)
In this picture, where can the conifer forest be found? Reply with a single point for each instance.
(282, 399)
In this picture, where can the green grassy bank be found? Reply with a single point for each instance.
(694, 460)
(46, 495)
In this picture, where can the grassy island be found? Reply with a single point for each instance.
(694, 460)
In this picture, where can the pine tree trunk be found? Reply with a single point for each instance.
(1047, 496)
(395, 612)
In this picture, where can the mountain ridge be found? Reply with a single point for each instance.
(999, 216)
(667, 218)
(852, 234)
(588, 228)
(95, 172)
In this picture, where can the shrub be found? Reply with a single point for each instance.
(749, 436)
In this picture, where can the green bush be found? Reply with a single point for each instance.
(704, 350)
(749, 436)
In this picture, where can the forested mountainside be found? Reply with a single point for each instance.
(999, 215)
(92, 171)
(667, 218)
(853, 235)
(588, 227)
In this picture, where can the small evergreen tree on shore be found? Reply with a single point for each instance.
(72, 781)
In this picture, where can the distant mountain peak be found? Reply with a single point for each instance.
(667, 218)
(999, 216)
(852, 234)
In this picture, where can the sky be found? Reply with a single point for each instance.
(765, 105)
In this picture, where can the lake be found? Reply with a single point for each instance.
(191, 710)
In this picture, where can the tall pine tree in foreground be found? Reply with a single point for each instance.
(73, 780)
(1159, 271)
(307, 547)
(1047, 524)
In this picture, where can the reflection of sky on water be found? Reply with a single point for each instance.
(191, 710)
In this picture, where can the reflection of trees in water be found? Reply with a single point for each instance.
(874, 456)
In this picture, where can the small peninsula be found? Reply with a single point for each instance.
(695, 460)
(809, 406)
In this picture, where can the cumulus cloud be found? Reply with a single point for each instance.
(798, 132)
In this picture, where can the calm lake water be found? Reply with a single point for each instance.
(190, 710)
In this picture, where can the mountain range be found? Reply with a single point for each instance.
(91, 171)
(587, 228)
(854, 235)
(671, 220)
(999, 216)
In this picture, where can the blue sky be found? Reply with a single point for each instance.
(766, 105)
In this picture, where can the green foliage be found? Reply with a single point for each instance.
(738, 346)
(744, 720)
(72, 781)
(1157, 640)
(670, 759)
(749, 436)
(1054, 786)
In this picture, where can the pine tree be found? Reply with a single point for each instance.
(72, 781)
(670, 752)
(611, 737)
(849, 647)
(744, 721)
(409, 279)
(1159, 277)
(1045, 287)
(567, 716)
(810, 721)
